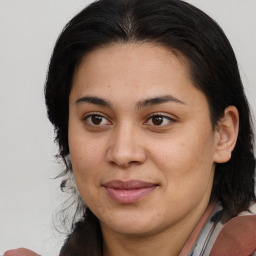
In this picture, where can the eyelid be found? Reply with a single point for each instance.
(164, 115)
(90, 114)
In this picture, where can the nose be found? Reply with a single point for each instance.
(126, 148)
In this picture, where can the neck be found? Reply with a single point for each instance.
(137, 246)
(168, 242)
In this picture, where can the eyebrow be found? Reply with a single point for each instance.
(158, 100)
(94, 100)
(140, 105)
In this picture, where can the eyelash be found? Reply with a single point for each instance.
(90, 123)
(164, 118)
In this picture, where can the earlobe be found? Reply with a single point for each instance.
(227, 132)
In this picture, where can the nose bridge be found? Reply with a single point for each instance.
(125, 146)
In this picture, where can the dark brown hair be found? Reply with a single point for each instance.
(178, 26)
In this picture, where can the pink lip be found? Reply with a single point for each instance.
(127, 192)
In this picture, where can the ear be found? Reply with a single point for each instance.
(227, 132)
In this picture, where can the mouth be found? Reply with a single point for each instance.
(128, 192)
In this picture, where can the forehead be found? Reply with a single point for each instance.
(131, 63)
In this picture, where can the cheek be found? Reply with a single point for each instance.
(188, 172)
(186, 160)
(86, 157)
(85, 150)
(85, 171)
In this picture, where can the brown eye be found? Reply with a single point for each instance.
(160, 120)
(157, 120)
(96, 120)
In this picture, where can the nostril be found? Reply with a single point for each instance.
(133, 162)
(124, 164)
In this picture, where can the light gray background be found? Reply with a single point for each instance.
(28, 29)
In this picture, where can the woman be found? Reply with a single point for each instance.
(153, 125)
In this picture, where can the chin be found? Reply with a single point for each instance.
(132, 229)
(134, 223)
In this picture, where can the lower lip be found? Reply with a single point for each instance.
(123, 196)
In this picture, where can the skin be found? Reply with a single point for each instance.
(20, 252)
(113, 136)
(120, 140)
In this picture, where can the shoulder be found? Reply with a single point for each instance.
(238, 236)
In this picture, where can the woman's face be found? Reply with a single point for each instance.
(141, 142)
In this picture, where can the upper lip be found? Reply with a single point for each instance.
(131, 184)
